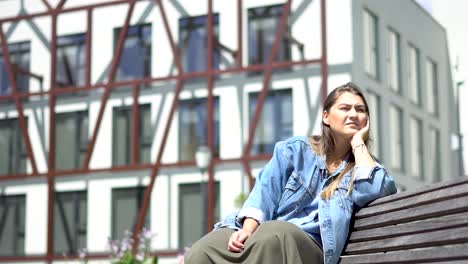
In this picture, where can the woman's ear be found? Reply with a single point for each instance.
(325, 118)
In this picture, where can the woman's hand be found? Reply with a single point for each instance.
(361, 136)
(237, 240)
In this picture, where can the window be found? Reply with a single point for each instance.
(434, 156)
(393, 60)
(191, 212)
(192, 127)
(416, 148)
(12, 225)
(13, 155)
(396, 138)
(263, 22)
(70, 222)
(71, 60)
(193, 43)
(276, 121)
(122, 135)
(20, 60)
(413, 78)
(71, 130)
(371, 50)
(126, 205)
(135, 61)
(432, 94)
(373, 102)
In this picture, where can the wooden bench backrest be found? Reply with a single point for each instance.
(429, 225)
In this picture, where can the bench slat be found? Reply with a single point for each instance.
(425, 198)
(411, 214)
(427, 225)
(422, 190)
(449, 255)
(441, 237)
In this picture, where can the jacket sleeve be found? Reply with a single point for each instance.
(264, 198)
(371, 183)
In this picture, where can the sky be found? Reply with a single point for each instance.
(452, 15)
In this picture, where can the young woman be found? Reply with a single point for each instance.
(301, 205)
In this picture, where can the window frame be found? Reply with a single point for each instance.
(139, 191)
(216, 209)
(394, 60)
(19, 202)
(371, 44)
(79, 117)
(17, 49)
(414, 75)
(193, 104)
(418, 153)
(432, 87)
(256, 14)
(434, 154)
(79, 230)
(132, 31)
(18, 156)
(399, 145)
(375, 121)
(143, 142)
(67, 41)
(194, 24)
(258, 148)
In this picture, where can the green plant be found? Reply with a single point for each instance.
(121, 250)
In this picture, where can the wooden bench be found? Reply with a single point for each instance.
(426, 226)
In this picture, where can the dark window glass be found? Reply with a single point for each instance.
(13, 155)
(122, 135)
(70, 222)
(20, 60)
(135, 61)
(71, 60)
(192, 127)
(192, 223)
(276, 121)
(193, 43)
(12, 224)
(71, 132)
(126, 205)
(263, 22)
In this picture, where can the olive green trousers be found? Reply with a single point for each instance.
(272, 242)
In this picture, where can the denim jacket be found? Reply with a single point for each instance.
(288, 183)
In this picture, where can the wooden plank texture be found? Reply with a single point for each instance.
(421, 226)
(442, 237)
(442, 254)
(411, 214)
(415, 201)
(422, 190)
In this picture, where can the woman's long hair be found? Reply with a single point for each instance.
(325, 144)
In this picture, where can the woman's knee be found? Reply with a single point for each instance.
(200, 250)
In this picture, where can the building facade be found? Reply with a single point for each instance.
(103, 105)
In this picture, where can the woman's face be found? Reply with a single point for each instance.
(347, 116)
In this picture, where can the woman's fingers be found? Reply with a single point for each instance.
(236, 241)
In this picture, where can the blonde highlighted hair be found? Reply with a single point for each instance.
(325, 144)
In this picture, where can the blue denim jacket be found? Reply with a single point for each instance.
(288, 183)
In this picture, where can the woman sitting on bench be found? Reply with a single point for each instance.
(300, 208)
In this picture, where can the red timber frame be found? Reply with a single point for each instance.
(180, 78)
